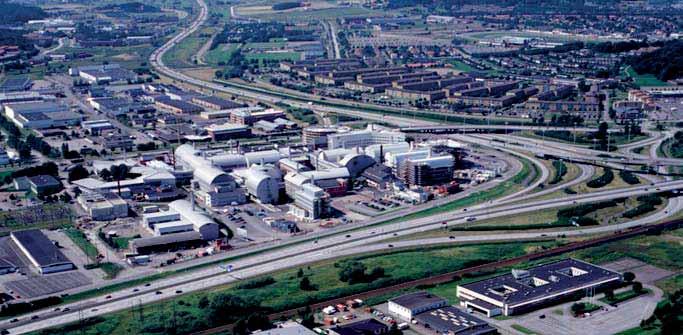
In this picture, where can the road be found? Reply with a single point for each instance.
(359, 241)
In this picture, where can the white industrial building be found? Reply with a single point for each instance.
(408, 305)
(103, 206)
(362, 138)
(262, 183)
(310, 203)
(181, 216)
(41, 115)
(211, 185)
(157, 183)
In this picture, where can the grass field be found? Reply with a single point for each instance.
(180, 56)
(460, 66)
(644, 79)
(623, 296)
(273, 56)
(522, 329)
(221, 53)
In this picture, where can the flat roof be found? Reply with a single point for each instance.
(363, 327)
(167, 239)
(417, 299)
(451, 320)
(39, 247)
(521, 286)
(44, 180)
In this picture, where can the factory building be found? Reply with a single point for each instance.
(181, 216)
(103, 206)
(153, 183)
(311, 202)
(522, 291)
(41, 252)
(408, 305)
(215, 103)
(41, 115)
(213, 186)
(227, 131)
(262, 183)
(103, 74)
(362, 138)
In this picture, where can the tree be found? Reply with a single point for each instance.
(352, 272)
(105, 174)
(300, 273)
(578, 308)
(637, 287)
(78, 172)
(393, 330)
(629, 276)
(609, 294)
(258, 321)
(119, 173)
(305, 284)
(203, 302)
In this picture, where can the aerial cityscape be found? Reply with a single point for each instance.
(341, 167)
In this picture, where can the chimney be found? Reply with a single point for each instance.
(192, 196)
(381, 154)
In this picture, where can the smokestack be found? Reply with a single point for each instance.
(192, 196)
(381, 154)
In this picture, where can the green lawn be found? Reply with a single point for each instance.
(644, 79)
(522, 329)
(273, 56)
(221, 53)
(180, 56)
(460, 66)
(623, 296)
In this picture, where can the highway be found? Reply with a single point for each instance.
(328, 247)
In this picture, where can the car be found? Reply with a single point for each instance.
(108, 297)
(347, 236)
(148, 284)
(14, 320)
(451, 237)
(94, 310)
(542, 316)
(57, 309)
(391, 245)
(136, 289)
(66, 309)
(471, 218)
(178, 291)
(158, 292)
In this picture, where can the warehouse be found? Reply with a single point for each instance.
(103, 206)
(214, 102)
(407, 305)
(104, 74)
(41, 252)
(165, 243)
(178, 106)
(526, 290)
(41, 115)
(227, 131)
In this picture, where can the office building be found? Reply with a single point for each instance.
(522, 291)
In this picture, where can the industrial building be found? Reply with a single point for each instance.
(165, 243)
(249, 115)
(451, 320)
(212, 186)
(362, 327)
(153, 183)
(215, 103)
(227, 131)
(261, 182)
(177, 106)
(41, 252)
(181, 216)
(103, 74)
(522, 291)
(408, 305)
(41, 115)
(287, 328)
(103, 206)
(362, 138)
(316, 136)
